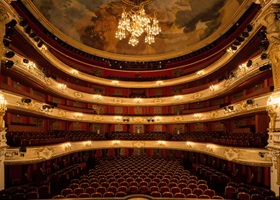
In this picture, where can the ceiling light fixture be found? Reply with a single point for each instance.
(136, 22)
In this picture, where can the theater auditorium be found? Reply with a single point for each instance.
(140, 99)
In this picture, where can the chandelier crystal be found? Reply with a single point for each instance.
(137, 22)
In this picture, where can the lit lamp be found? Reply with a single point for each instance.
(3, 108)
(136, 22)
(273, 105)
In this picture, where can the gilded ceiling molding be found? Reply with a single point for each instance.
(227, 57)
(239, 12)
(69, 93)
(247, 156)
(237, 109)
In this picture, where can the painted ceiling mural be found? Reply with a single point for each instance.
(94, 22)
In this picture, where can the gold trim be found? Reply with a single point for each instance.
(239, 12)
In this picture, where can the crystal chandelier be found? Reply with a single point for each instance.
(136, 22)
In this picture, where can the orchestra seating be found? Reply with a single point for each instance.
(121, 176)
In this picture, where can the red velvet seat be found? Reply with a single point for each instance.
(182, 185)
(172, 184)
(204, 196)
(143, 189)
(84, 195)
(105, 184)
(155, 194)
(187, 190)
(192, 185)
(167, 195)
(90, 190)
(217, 197)
(58, 196)
(84, 185)
(94, 184)
(96, 195)
(133, 189)
(164, 189)
(115, 183)
(78, 191)
(32, 195)
(161, 184)
(257, 197)
(197, 191)
(229, 191)
(120, 194)
(175, 190)
(191, 196)
(101, 189)
(66, 191)
(71, 196)
(179, 195)
(123, 188)
(143, 183)
(108, 194)
(209, 192)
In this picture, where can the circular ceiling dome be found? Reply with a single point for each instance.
(186, 25)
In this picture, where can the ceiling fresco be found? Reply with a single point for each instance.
(94, 23)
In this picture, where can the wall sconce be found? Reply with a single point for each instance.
(231, 50)
(178, 97)
(29, 64)
(118, 118)
(116, 142)
(161, 143)
(197, 116)
(157, 119)
(62, 86)
(66, 146)
(138, 100)
(210, 147)
(3, 103)
(44, 48)
(159, 83)
(87, 144)
(74, 72)
(79, 115)
(243, 67)
(213, 88)
(200, 73)
(189, 144)
(97, 97)
(115, 82)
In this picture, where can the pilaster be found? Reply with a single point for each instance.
(3, 141)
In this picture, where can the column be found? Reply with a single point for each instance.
(271, 20)
(3, 141)
(4, 17)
